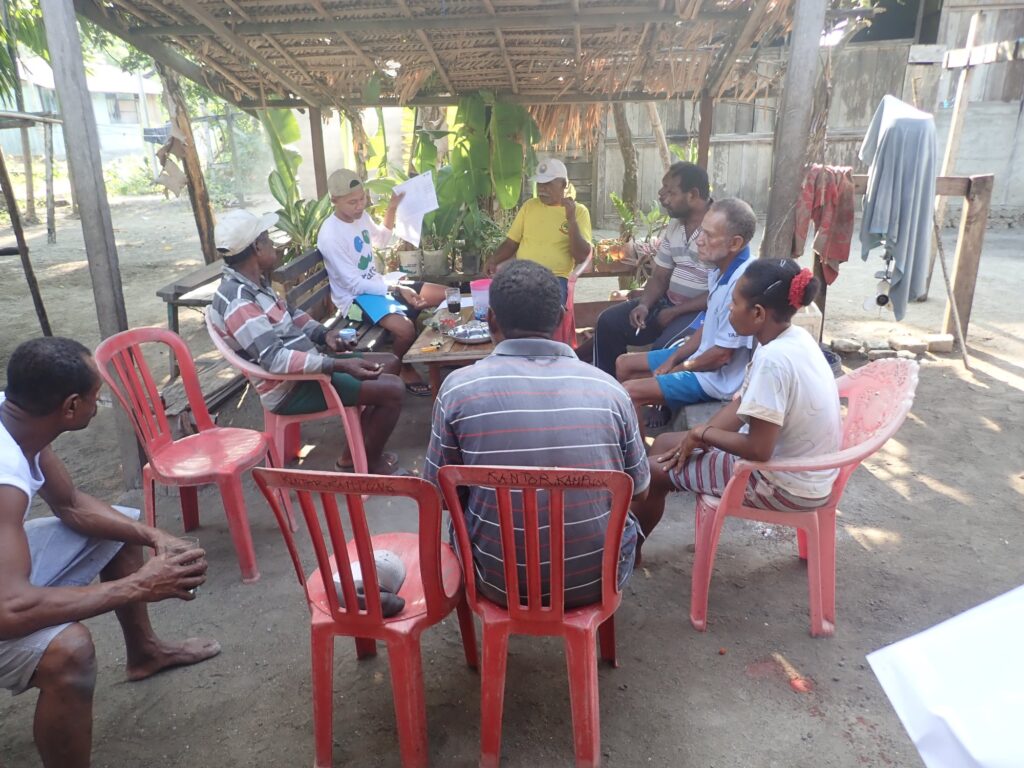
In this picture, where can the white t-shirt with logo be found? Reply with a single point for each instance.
(347, 248)
(718, 332)
(789, 383)
(15, 469)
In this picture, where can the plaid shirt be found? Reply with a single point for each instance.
(262, 328)
(532, 403)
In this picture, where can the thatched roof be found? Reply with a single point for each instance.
(325, 53)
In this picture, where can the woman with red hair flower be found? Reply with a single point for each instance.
(788, 406)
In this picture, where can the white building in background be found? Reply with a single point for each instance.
(124, 104)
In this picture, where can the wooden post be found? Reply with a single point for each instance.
(51, 226)
(316, 135)
(236, 166)
(789, 155)
(82, 143)
(659, 134)
(19, 236)
(971, 237)
(19, 100)
(707, 114)
(956, 124)
(193, 169)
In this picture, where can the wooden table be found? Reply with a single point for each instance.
(194, 289)
(450, 352)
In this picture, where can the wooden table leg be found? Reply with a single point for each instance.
(434, 370)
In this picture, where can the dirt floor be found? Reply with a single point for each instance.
(929, 527)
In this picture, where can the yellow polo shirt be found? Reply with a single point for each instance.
(543, 234)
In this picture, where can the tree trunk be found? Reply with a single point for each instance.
(629, 160)
(359, 144)
(197, 192)
(659, 134)
(19, 100)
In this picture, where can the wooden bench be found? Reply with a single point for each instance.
(194, 289)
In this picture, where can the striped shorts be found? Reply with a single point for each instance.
(708, 472)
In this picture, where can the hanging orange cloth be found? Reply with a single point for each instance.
(826, 200)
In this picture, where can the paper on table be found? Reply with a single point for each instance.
(958, 687)
(420, 199)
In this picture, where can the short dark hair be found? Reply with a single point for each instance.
(739, 215)
(690, 176)
(235, 259)
(767, 281)
(525, 296)
(43, 373)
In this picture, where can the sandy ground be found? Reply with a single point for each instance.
(929, 527)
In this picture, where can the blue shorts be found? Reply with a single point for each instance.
(680, 388)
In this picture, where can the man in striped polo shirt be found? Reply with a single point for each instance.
(532, 403)
(677, 291)
(262, 328)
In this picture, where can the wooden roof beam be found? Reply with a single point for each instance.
(219, 29)
(549, 97)
(504, 52)
(441, 72)
(536, 21)
(718, 73)
(164, 54)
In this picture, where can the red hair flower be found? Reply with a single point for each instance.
(798, 286)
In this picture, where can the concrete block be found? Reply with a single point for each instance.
(906, 354)
(940, 343)
(847, 346)
(875, 344)
(908, 344)
(881, 354)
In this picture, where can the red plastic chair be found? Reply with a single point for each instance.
(527, 614)
(213, 455)
(432, 589)
(566, 331)
(879, 396)
(283, 431)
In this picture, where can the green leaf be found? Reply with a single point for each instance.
(371, 91)
(506, 154)
(280, 190)
(425, 157)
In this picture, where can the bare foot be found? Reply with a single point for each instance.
(167, 655)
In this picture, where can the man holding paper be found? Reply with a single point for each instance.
(347, 240)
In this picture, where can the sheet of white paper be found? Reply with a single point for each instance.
(958, 687)
(420, 199)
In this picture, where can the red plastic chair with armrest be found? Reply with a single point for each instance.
(282, 430)
(879, 396)
(566, 331)
(527, 614)
(213, 455)
(432, 590)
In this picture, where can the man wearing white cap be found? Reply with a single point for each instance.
(262, 327)
(551, 229)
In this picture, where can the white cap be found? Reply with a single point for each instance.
(237, 230)
(549, 170)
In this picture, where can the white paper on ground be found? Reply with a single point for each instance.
(420, 199)
(958, 687)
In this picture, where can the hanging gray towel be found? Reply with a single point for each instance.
(900, 151)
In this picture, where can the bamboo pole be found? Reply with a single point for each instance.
(659, 134)
(19, 236)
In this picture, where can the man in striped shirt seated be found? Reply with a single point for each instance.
(678, 288)
(532, 403)
(262, 328)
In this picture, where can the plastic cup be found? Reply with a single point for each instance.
(480, 289)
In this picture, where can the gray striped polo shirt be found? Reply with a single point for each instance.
(533, 403)
(678, 252)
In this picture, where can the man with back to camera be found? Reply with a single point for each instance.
(533, 403)
(551, 229)
(48, 564)
(677, 291)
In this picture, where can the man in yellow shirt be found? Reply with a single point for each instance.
(551, 229)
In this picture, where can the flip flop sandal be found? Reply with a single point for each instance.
(658, 416)
(418, 389)
(391, 459)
